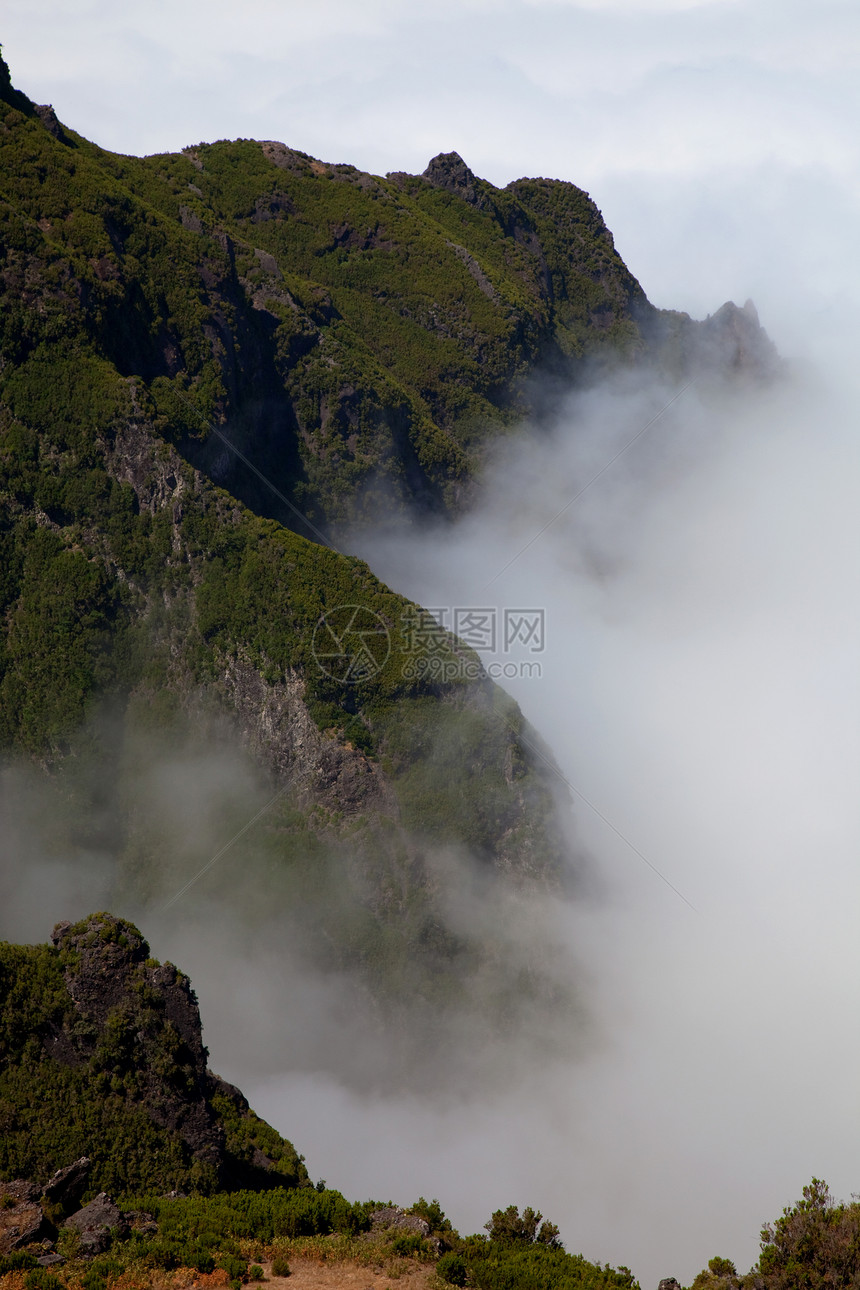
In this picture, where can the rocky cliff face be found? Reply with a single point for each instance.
(108, 1064)
(139, 1019)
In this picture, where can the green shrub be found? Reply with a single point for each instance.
(432, 1213)
(452, 1268)
(408, 1243)
(255, 1272)
(280, 1268)
(18, 1261)
(236, 1268)
(42, 1279)
(814, 1245)
(506, 1227)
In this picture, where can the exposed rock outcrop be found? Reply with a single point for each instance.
(448, 170)
(22, 1219)
(97, 1224)
(121, 1035)
(392, 1217)
(68, 1185)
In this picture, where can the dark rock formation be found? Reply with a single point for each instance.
(97, 1224)
(139, 1220)
(65, 1190)
(733, 340)
(108, 966)
(116, 1024)
(448, 170)
(48, 117)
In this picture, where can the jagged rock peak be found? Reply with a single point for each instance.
(46, 114)
(734, 340)
(103, 934)
(448, 170)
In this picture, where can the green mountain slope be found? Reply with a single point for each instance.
(207, 358)
(360, 336)
(149, 616)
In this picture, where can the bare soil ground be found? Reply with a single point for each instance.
(313, 1274)
(307, 1275)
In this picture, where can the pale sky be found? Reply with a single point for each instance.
(712, 134)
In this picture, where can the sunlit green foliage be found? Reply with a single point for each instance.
(523, 1252)
(813, 1245)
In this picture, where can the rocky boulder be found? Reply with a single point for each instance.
(65, 1190)
(97, 1224)
(391, 1216)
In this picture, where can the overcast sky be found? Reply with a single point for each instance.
(720, 140)
(709, 133)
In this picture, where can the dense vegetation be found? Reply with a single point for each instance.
(101, 1055)
(361, 335)
(207, 360)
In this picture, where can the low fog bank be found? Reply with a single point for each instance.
(699, 688)
(697, 682)
(310, 953)
(695, 676)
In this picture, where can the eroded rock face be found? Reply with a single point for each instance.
(65, 1190)
(734, 341)
(106, 950)
(22, 1218)
(393, 1217)
(126, 1026)
(97, 1224)
(448, 170)
(108, 970)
